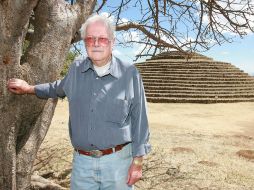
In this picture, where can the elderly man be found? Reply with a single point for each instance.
(108, 121)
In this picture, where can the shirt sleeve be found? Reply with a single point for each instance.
(140, 130)
(50, 90)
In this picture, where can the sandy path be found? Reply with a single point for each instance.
(220, 119)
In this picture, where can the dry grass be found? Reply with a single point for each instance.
(195, 146)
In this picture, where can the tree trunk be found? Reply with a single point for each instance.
(24, 120)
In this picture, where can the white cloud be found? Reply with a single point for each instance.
(112, 18)
(138, 48)
(130, 36)
(225, 53)
(123, 20)
(125, 37)
(106, 14)
(235, 5)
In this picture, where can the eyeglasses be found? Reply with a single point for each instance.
(102, 41)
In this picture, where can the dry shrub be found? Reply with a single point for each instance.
(182, 149)
(208, 163)
(243, 137)
(53, 163)
(248, 154)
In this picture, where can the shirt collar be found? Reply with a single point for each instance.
(114, 70)
(87, 64)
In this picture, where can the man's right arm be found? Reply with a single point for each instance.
(50, 90)
(44, 91)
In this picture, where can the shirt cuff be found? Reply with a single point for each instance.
(140, 150)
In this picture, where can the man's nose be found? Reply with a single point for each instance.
(96, 43)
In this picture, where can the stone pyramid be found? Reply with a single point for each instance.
(175, 77)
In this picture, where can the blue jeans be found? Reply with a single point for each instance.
(108, 172)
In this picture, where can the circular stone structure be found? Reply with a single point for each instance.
(175, 77)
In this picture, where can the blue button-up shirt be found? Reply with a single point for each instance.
(104, 111)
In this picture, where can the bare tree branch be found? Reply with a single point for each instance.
(100, 7)
(192, 25)
(182, 25)
(129, 25)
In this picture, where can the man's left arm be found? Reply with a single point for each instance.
(140, 130)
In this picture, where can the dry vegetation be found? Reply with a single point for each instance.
(195, 146)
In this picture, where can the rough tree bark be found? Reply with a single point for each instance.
(24, 120)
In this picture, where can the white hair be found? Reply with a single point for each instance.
(98, 18)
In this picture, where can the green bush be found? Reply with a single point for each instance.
(69, 59)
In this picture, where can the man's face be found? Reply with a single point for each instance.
(98, 43)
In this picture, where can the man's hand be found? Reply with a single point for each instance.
(18, 86)
(135, 171)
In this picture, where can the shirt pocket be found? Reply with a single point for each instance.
(116, 110)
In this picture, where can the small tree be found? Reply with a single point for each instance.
(69, 59)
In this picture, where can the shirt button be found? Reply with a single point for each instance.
(97, 77)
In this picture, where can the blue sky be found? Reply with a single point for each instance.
(239, 53)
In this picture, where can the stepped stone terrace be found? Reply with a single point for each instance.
(175, 77)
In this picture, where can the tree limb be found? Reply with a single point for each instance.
(129, 25)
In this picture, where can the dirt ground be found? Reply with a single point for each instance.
(195, 146)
